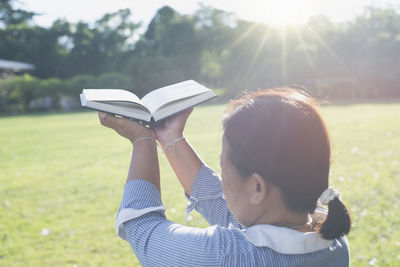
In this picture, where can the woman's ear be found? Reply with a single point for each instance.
(258, 188)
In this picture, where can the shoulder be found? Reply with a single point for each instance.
(278, 246)
(342, 249)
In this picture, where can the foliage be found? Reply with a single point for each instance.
(64, 50)
(355, 60)
(68, 177)
(12, 16)
(27, 93)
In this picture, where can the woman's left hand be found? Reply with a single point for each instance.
(173, 127)
(129, 129)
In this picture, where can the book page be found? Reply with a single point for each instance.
(162, 96)
(130, 110)
(177, 106)
(111, 95)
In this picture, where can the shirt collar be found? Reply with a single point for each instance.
(285, 240)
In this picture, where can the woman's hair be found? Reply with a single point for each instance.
(280, 135)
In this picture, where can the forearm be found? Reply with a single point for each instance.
(144, 163)
(185, 163)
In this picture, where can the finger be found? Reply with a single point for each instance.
(102, 117)
(181, 116)
(186, 113)
(106, 119)
(160, 124)
(113, 122)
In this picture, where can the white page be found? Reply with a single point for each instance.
(110, 95)
(158, 98)
(137, 113)
(171, 108)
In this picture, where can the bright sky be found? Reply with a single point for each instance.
(275, 12)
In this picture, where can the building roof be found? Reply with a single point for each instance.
(15, 65)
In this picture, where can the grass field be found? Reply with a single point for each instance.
(65, 173)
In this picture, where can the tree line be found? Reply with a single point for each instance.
(354, 60)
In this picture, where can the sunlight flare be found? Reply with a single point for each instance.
(303, 47)
(243, 35)
(327, 47)
(282, 12)
(260, 47)
(284, 56)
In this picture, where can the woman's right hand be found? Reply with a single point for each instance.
(173, 127)
(129, 129)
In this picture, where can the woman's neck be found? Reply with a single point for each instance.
(286, 219)
(275, 212)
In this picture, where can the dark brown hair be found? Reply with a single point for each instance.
(280, 135)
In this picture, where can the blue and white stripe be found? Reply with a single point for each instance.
(157, 241)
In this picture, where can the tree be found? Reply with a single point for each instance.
(102, 48)
(168, 52)
(13, 16)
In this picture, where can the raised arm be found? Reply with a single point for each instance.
(141, 220)
(144, 162)
(180, 154)
(201, 184)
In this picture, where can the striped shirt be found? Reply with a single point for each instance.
(157, 241)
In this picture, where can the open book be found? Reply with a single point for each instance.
(155, 106)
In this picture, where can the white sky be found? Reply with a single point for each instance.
(268, 11)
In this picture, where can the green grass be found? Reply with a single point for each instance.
(65, 172)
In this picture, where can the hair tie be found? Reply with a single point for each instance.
(328, 195)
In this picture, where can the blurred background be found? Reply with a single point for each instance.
(338, 50)
(62, 174)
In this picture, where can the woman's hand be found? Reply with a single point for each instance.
(129, 129)
(173, 127)
(182, 157)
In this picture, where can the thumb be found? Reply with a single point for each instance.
(186, 113)
(110, 121)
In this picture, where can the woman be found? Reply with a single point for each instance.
(275, 164)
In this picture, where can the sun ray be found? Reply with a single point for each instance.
(284, 56)
(327, 47)
(260, 47)
(243, 35)
(310, 63)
